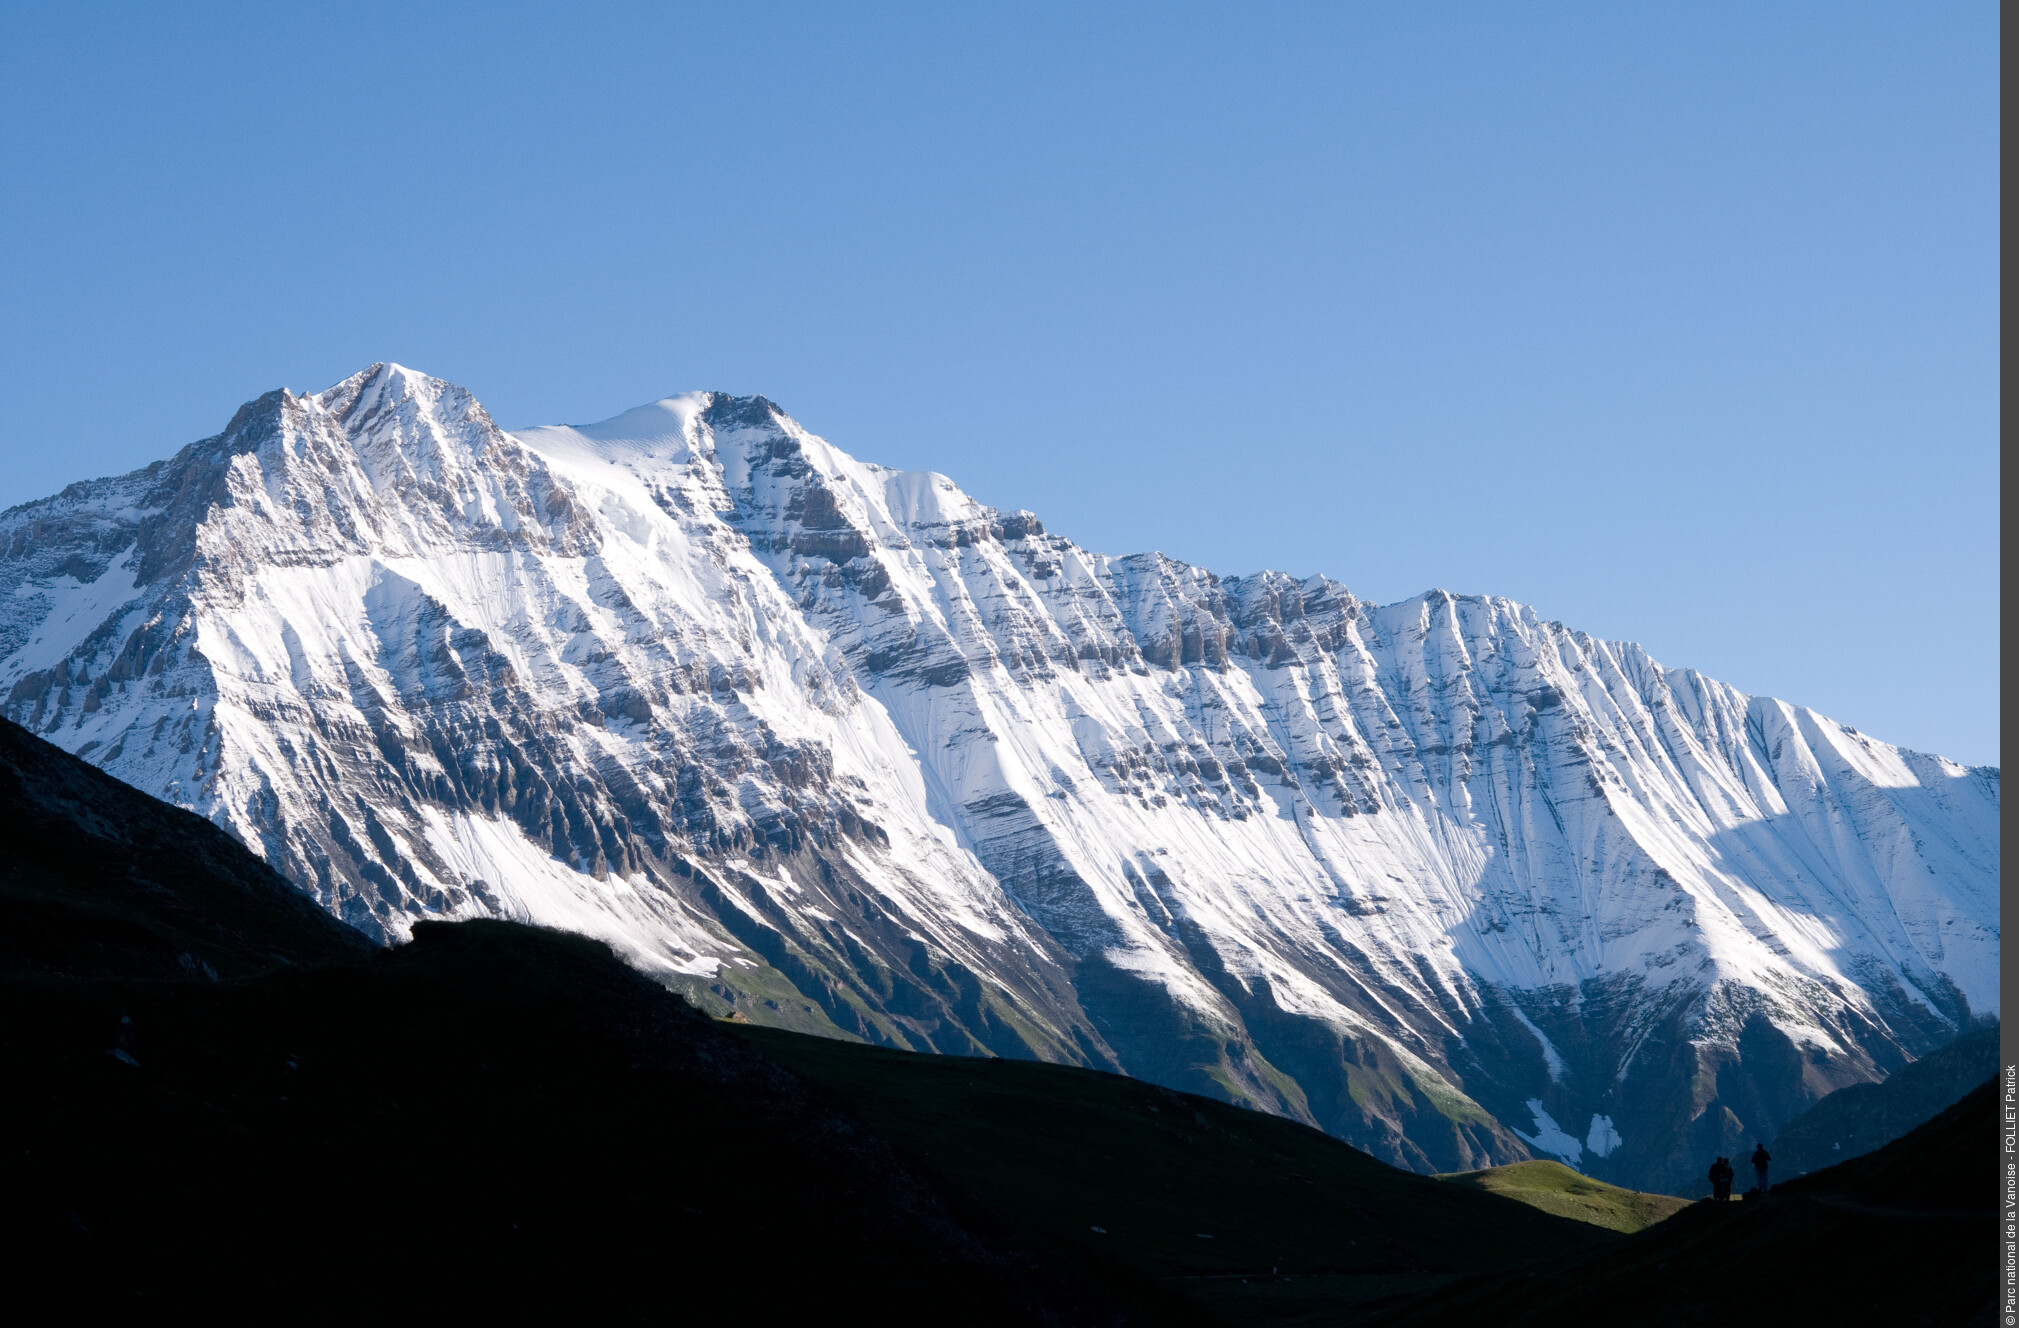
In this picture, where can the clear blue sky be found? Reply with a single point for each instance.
(1676, 321)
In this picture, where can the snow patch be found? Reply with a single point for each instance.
(1602, 1138)
(1550, 1138)
(541, 889)
(79, 609)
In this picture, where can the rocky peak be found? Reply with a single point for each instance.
(837, 746)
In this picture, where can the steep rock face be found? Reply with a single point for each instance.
(841, 747)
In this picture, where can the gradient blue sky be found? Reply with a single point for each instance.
(1678, 322)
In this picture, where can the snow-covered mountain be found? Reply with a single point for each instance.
(837, 747)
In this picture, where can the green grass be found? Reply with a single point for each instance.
(1556, 1188)
(766, 995)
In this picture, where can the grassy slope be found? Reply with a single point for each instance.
(1197, 1192)
(1555, 1188)
(1901, 1238)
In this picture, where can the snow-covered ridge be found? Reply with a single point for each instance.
(841, 747)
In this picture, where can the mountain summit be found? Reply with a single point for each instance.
(838, 748)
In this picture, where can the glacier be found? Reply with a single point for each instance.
(837, 747)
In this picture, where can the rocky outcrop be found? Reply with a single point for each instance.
(836, 746)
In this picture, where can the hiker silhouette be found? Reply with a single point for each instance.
(1721, 1178)
(1761, 1157)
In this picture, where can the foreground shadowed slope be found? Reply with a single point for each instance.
(1257, 1217)
(1555, 1188)
(99, 880)
(498, 1121)
(1901, 1237)
(501, 1119)
(494, 1120)
(490, 1120)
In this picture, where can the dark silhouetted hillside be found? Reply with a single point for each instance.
(1249, 1214)
(1900, 1238)
(99, 880)
(493, 1120)
(225, 1105)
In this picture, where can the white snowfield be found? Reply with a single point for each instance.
(839, 746)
